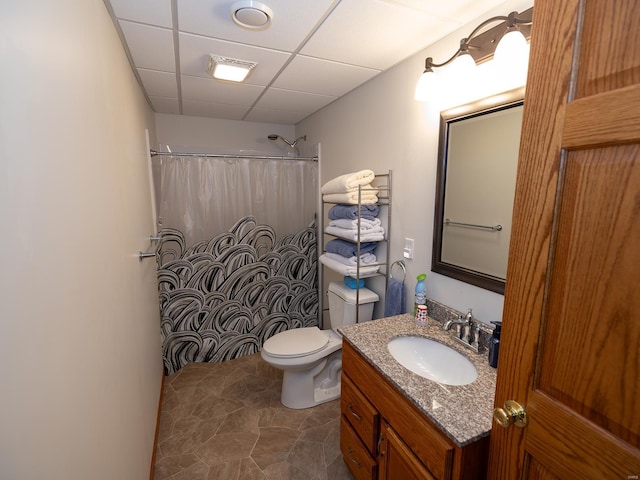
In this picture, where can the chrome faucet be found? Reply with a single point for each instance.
(450, 323)
(466, 332)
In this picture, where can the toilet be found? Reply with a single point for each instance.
(312, 358)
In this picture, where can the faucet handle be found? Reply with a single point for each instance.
(465, 332)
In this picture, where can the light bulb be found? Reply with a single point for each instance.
(233, 73)
(426, 86)
(512, 46)
(464, 64)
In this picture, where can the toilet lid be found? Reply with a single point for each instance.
(296, 342)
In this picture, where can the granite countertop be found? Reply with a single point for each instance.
(464, 413)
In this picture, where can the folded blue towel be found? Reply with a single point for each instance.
(348, 249)
(394, 304)
(351, 282)
(351, 212)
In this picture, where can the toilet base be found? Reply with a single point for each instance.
(304, 389)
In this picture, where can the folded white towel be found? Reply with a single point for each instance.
(348, 182)
(365, 224)
(365, 259)
(347, 270)
(351, 198)
(371, 235)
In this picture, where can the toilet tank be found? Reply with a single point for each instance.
(342, 304)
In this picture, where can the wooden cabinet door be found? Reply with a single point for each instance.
(571, 323)
(396, 460)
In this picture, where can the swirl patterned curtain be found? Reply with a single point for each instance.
(237, 259)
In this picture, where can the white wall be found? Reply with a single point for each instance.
(380, 126)
(187, 134)
(80, 359)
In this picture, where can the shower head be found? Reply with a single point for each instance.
(293, 144)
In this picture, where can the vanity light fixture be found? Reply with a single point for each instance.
(502, 41)
(231, 69)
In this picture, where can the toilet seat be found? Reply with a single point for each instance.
(296, 342)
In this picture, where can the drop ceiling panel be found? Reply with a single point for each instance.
(165, 105)
(380, 34)
(292, 21)
(324, 77)
(211, 90)
(152, 12)
(160, 84)
(195, 51)
(150, 47)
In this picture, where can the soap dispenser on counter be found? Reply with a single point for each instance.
(494, 346)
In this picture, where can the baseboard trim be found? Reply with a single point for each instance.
(152, 470)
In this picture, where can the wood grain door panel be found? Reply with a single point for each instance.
(593, 332)
(608, 39)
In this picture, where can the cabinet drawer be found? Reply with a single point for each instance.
(355, 454)
(362, 416)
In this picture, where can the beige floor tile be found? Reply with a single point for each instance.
(227, 447)
(308, 457)
(274, 445)
(285, 471)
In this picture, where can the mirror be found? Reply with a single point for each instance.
(477, 162)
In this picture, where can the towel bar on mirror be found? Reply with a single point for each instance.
(471, 225)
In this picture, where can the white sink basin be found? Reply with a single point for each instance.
(432, 360)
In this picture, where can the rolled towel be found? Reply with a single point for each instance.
(365, 259)
(347, 270)
(351, 212)
(372, 235)
(351, 198)
(365, 224)
(348, 249)
(348, 182)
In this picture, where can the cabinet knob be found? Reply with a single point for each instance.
(512, 414)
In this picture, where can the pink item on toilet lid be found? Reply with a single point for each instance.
(296, 342)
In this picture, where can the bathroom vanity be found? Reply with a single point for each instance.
(396, 424)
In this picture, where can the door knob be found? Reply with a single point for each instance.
(512, 414)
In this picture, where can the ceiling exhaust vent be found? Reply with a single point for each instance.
(251, 14)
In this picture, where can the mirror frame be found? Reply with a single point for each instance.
(509, 99)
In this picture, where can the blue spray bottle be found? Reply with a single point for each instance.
(421, 293)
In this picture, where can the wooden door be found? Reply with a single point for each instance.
(571, 325)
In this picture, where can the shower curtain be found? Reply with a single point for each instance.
(237, 256)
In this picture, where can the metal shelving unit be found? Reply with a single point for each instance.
(382, 183)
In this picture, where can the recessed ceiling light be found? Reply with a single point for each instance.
(231, 69)
(251, 14)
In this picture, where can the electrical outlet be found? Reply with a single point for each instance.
(408, 248)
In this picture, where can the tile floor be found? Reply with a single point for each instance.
(224, 421)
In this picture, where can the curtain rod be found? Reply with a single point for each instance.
(218, 155)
